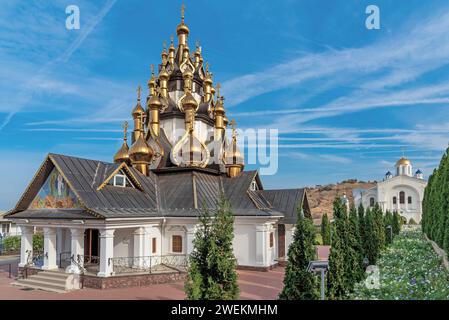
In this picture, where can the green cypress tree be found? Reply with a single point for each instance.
(355, 252)
(379, 227)
(361, 218)
(300, 284)
(337, 281)
(212, 271)
(396, 223)
(371, 239)
(325, 230)
(388, 222)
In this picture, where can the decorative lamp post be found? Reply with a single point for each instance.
(319, 267)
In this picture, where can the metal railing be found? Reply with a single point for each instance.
(149, 264)
(65, 259)
(87, 260)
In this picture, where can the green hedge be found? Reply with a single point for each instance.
(12, 243)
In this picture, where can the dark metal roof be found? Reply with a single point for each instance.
(54, 214)
(177, 192)
(288, 201)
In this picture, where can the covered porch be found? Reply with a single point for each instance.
(100, 251)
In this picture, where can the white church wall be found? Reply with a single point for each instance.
(124, 243)
(245, 244)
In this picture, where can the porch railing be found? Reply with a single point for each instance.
(87, 260)
(149, 264)
(65, 259)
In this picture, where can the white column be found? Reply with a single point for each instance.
(50, 249)
(262, 245)
(77, 248)
(190, 236)
(26, 244)
(106, 252)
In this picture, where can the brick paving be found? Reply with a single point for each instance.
(254, 285)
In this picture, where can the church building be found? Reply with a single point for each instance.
(136, 217)
(402, 192)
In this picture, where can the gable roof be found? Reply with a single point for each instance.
(175, 193)
(288, 201)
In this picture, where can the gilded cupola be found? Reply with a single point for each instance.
(140, 153)
(122, 154)
(234, 159)
(183, 122)
(137, 113)
(182, 30)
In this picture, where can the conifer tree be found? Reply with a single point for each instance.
(211, 273)
(337, 280)
(325, 230)
(388, 222)
(379, 226)
(355, 246)
(299, 283)
(361, 218)
(396, 223)
(371, 239)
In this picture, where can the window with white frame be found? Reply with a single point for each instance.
(120, 180)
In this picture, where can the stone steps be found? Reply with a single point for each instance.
(53, 281)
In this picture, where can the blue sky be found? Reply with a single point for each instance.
(346, 100)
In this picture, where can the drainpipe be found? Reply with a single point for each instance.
(164, 222)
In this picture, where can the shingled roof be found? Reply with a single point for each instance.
(178, 192)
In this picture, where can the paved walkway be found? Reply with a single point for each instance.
(254, 285)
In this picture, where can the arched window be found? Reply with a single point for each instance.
(395, 200)
(402, 197)
(409, 200)
(371, 202)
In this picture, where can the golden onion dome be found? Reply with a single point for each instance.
(122, 154)
(140, 151)
(189, 101)
(233, 156)
(193, 151)
(219, 108)
(154, 102)
(163, 74)
(182, 29)
(403, 162)
(138, 110)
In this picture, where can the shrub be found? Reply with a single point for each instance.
(38, 242)
(412, 221)
(11, 243)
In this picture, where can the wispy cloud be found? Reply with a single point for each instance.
(41, 79)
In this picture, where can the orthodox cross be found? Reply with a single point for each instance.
(183, 8)
(233, 125)
(218, 86)
(139, 91)
(171, 39)
(207, 66)
(152, 69)
(125, 130)
(164, 45)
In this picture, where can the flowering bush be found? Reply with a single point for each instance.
(409, 270)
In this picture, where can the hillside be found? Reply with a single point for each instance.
(321, 196)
